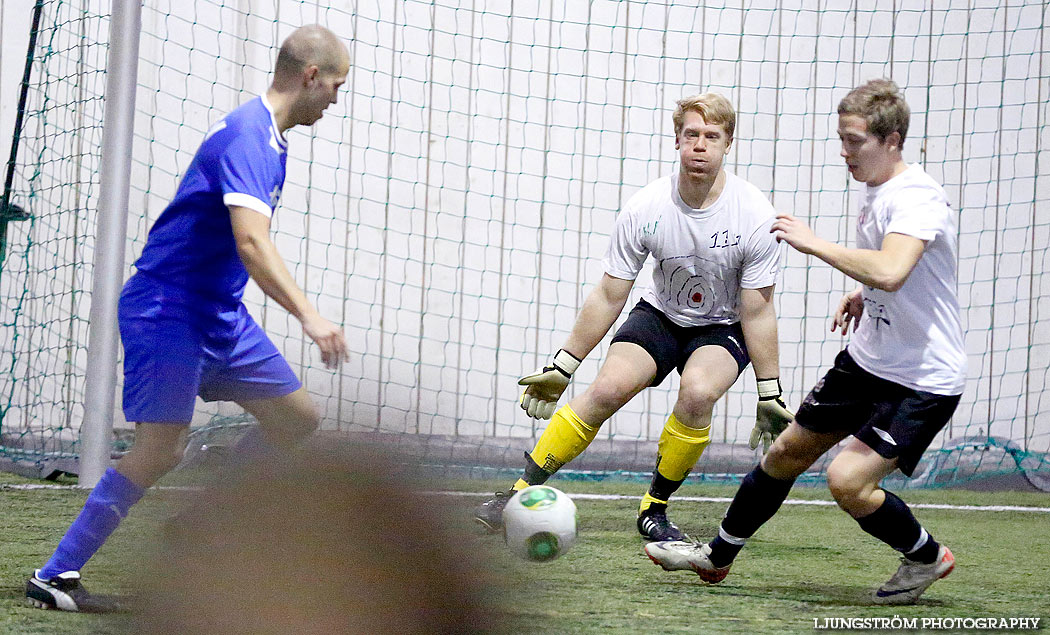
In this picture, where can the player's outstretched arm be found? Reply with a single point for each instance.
(758, 319)
(886, 268)
(251, 231)
(600, 310)
(545, 386)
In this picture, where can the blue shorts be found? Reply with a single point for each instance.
(170, 357)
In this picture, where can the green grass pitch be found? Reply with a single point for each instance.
(808, 563)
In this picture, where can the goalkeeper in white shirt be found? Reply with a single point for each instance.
(708, 313)
(898, 381)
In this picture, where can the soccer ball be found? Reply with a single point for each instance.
(539, 523)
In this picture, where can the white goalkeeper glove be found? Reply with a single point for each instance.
(772, 415)
(545, 386)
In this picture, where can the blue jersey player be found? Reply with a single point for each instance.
(184, 328)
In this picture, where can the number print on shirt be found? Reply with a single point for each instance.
(722, 240)
(876, 311)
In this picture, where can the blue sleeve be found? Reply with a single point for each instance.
(250, 173)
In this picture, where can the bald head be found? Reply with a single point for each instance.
(311, 45)
(311, 66)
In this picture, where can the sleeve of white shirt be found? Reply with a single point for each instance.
(626, 253)
(918, 212)
(762, 258)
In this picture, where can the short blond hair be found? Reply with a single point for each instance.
(714, 108)
(881, 104)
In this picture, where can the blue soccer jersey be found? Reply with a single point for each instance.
(191, 246)
(184, 328)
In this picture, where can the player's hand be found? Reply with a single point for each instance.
(772, 416)
(545, 386)
(851, 307)
(794, 232)
(329, 338)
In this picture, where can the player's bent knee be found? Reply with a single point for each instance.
(847, 488)
(290, 433)
(167, 461)
(306, 425)
(697, 400)
(174, 458)
(301, 424)
(307, 419)
(786, 459)
(609, 395)
(778, 458)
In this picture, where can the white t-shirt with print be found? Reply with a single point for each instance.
(703, 257)
(913, 336)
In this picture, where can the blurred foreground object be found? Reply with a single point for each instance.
(323, 541)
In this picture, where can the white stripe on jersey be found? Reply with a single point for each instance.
(249, 201)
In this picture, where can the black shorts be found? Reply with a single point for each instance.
(896, 421)
(670, 345)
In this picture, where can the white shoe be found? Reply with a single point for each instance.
(678, 555)
(65, 593)
(913, 578)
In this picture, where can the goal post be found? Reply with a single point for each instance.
(118, 127)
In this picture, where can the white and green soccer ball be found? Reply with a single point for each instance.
(539, 523)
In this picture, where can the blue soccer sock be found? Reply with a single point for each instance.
(106, 506)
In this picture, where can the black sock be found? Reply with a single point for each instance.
(723, 552)
(534, 474)
(758, 499)
(662, 487)
(894, 524)
(656, 507)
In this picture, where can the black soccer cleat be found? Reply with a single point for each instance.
(65, 593)
(655, 526)
(490, 513)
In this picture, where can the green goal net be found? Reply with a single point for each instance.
(452, 210)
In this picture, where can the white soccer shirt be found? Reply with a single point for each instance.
(913, 336)
(703, 256)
